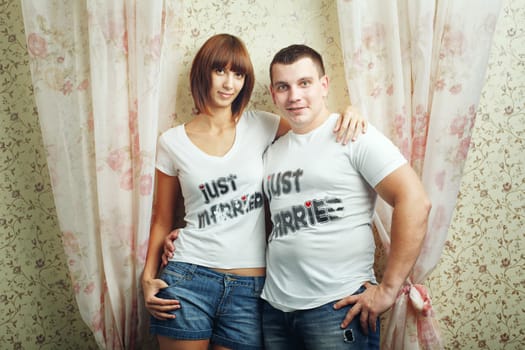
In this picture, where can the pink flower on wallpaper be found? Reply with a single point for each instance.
(155, 46)
(70, 242)
(404, 148)
(439, 180)
(420, 120)
(440, 85)
(76, 288)
(37, 45)
(419, 147)
(472, 110)
(116, 159)
(89, 288)
(126, 180)
(373, 36)
(357, 59)
(97, 321)
(133, 118)
(464, 145)
(67, 88)
(458, 126)
(390, 90)
(146, 184)
(399, 125)
(375, 92)
(440, 220)
(453, 42)
(455, 89)
(83, 85)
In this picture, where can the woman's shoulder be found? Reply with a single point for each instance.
(260, 117)
(172, 135)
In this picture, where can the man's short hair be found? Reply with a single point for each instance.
(293, 53)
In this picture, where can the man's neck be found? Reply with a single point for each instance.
(316, 122)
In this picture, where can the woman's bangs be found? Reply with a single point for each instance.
(233, 58)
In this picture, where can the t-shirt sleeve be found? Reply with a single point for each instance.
(268, 125)
(375, 156)
(164, 161)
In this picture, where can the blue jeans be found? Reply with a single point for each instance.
(315, 329)
(224, 308)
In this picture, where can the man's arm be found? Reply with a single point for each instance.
(403, 190)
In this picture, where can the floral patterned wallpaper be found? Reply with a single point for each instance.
(37, 306)
(478, 287)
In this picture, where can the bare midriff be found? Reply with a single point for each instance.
(249, 272)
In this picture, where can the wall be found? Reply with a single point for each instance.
(477, 288)
(37, 306)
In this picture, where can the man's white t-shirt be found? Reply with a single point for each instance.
(322, 198)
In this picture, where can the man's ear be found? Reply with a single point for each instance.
(272, 93)
(325, 83)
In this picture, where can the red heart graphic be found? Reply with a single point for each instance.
(308, 204)
(243, 198)
(201, 186)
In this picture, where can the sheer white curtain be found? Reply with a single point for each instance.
(103, 81)
(415, 68)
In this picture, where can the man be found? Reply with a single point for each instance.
(320, 289)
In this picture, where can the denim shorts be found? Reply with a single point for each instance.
(224, 308)
(315, 329)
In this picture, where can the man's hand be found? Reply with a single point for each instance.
(169, 248)
(349, 125)
(158, 307)
(371, 304)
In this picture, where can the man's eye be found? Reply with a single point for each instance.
(305, 83)
(281, 87)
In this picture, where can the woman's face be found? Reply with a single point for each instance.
(225, 87)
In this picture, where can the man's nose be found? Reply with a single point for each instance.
(293, 94)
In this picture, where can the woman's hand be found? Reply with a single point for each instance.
(158, 307)
(349, 125)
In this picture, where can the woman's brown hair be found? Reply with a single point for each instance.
(219, 52)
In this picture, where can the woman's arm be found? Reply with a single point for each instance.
(162, 222)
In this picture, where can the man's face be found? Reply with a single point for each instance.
(299, 92)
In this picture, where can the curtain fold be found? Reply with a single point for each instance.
(415, 68)
(104, 78)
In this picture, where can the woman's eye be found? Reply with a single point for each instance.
(219, 70)
(239, 75)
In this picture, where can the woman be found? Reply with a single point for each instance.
(215, 160)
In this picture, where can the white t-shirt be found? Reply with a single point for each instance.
(222, 195)
(322, 201)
